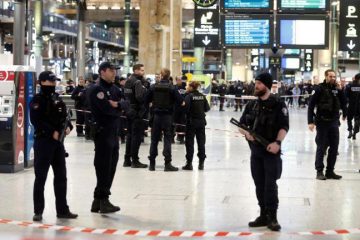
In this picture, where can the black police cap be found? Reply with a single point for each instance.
(48, 75)
(105, 65)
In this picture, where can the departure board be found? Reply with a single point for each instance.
(246, 5)
(304, 5)
(244, 31)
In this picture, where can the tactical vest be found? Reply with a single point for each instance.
(328, 106)
(263, 117)
(129, 92)
(197, 105)
(55, 111)
(162, 96)
(354, 98)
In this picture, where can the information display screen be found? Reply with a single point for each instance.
(290, 63)
(247, 5)
(303, 31)
(310, 6)
(244, 31)
(292, 52)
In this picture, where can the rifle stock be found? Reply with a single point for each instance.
(66, 125)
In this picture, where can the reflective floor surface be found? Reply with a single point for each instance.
(219, 199)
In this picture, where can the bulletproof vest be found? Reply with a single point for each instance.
(263, 117)
(354, 96)
(197, 105)
(329, 104)
(55, 111)
(162, 96)
(129, 91)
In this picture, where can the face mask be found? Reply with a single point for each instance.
(48, 90)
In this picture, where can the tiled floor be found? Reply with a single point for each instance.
(221, 198)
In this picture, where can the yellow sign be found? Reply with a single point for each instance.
(189, 59)
(189, 76)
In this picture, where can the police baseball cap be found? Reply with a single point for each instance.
(48, 75)
(357, 77)
(105, 65)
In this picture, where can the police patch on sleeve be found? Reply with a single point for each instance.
(35, 106)
(100, 95)
(285, 111)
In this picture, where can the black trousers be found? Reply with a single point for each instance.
(80, 121)
(106, 159)
(327, 135)
(195, 129)
(161, 123)
(133, 139)
(49, 152)
(266, 169)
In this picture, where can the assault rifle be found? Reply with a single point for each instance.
(66, 125)
(264, 142)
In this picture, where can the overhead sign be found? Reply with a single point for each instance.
(305, 6)
(206, 27)
(349, 25)
(274, 62)
(309, 60)
(247, 31)
(255, 59)
(247, 5)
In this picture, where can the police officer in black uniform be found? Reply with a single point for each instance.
(135, 91)
(239, 88)
(106, 107)
(222, 91)
(352, 93)
(196, 106)
(179, 111)
(163, 96)
(48, 115)
(120, 83)
(268, 117)
(79, 97)
(328, 98)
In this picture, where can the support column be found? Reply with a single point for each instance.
(19, 32)
(127, 36)
(80, 57)
(199, 64)
(50, 49)
(38, 19)
(229, 64)
(334, 38)
(160, 22)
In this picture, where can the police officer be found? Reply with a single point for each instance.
(79, 97)
(48, 115)
(352, 93)
(196, 105)
(106, 107)
(179, 111)
(328, 98)
(239, 88)
(268, 117)
(123, 122)
(222, 92)
(163, 96)
(135, 91)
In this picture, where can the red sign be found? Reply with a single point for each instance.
(7, 76)
(20, 89)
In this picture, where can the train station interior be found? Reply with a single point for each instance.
(217, 43)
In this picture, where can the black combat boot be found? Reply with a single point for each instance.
(260, 221)
(170, 168)
(127, 162)
(152, 165)
(354, 136)
(273, 224)
(138, 164)
(37, 218)
(350, 134)
(320, 175)
(68, 215)
(107, 207)
(188, 166)
(332, 175)
(95, 206)
(201, 164)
